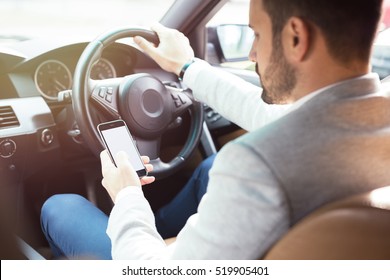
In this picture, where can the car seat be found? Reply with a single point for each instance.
(356, 227)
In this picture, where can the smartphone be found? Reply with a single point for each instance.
(116, 137)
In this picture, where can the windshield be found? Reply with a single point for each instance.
(27, 19)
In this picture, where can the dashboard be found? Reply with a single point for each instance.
(49, 71)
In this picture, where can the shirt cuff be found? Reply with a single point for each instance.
(192, 72)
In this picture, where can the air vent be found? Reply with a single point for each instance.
(8, 117)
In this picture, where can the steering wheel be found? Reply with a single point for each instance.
(146, 105)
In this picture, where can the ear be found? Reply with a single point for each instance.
(296, 39)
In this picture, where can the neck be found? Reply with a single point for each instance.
(330, 72)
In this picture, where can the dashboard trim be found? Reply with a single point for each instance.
(33, 114)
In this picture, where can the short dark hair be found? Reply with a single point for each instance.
(349, 26)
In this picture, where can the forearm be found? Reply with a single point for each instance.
(232, 97)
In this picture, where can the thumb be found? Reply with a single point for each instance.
(122, 159)
(127, 173)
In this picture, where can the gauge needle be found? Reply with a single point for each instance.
(59, 84)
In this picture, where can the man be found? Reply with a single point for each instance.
(84, 235)
(333, 142)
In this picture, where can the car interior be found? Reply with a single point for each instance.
(54, 92)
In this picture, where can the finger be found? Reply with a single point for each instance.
(147, 180)
(149, 167)
(145, 45)
(105, 161)
(145, 159)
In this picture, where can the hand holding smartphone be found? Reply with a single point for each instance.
(116, 137)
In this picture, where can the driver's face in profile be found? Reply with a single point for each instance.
(277, 76)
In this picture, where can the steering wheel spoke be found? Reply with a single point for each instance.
(151, 148)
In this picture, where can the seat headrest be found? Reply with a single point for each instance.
(353, 228)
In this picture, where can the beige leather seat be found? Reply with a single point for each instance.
(354, 228)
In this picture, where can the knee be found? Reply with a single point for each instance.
(56, 205)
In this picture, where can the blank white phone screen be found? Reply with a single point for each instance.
(118, 139)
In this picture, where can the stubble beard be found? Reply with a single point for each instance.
(279, 78)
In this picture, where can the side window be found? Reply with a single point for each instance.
(229, 37)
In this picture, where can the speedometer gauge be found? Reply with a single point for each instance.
(51, 77)
(103, 69)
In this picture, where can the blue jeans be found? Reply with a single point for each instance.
(75, 228)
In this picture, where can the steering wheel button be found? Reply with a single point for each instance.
(102, 92)
(216, 118)
(178, 103)
(174, 96)
(210, 114)
(110, 90)
(182, 100)
(109, 98)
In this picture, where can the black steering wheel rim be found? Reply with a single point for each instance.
(81, 95)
